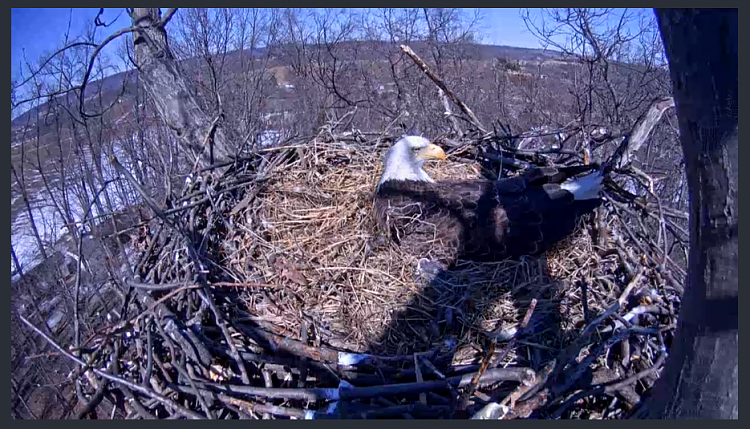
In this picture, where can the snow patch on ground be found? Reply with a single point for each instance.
(269, 138)
(49, 223)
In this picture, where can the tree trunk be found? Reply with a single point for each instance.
(701, 378)
(165, 85)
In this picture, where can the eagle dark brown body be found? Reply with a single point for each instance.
(480, 220)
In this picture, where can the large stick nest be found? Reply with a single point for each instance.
(271, 282)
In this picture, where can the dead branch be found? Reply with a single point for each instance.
(464, 108)
(642, 129)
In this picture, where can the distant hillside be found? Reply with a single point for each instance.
(112, 85)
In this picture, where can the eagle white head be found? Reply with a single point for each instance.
(404, 160)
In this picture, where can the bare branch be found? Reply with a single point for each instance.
(439, 82)
(643, 127)
(143, 390)
(82, 95)
(167, 16)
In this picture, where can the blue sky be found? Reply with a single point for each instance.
(35, 32)
(504, 26)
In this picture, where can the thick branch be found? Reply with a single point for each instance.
(439, 82)
(167, 16)
(643, 127)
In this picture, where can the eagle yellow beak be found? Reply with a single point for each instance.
(432, 151)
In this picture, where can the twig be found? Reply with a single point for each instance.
(170, 286)
(44, 64)
(271, 409)
(570, 402)
(159, 287)
(609, 388)
(521, 329)
(388, 403)
(222, 323)
(76, 318)
(521, 375)
(420, 379)
(464, 400)
(180, 366)
(135, 401)
(87, 74)
(572, 376)
(635, 377)
(569, 353)
(206, 296)
(448, 113)
(149, 201)
(160, 301)
(148, 392)
(401, 409)
(645, 373)
(100, 391)
(431, 366)
(585, 301)
(208, 140)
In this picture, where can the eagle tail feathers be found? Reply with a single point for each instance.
(585, 187)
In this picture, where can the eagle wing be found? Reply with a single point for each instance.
(480, 220)
(539, 211)
(441, 221)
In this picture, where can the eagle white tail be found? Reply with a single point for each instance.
(585, 187)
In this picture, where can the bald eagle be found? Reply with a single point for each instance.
(478, 219)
